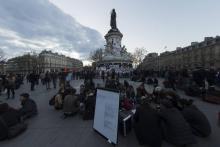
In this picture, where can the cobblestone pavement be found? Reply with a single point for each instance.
(48, 129)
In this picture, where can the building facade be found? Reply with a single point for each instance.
(45, 61)
(2, 67)
(22, 64)
(50, 61)
(199, 54)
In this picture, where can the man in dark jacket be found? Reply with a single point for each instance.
(54, 79)
(8, 117)
(89, 106)
(32, 79)
(175, 128)
(199, 123)
(147, 127)
(10, 85)
(71, 103)
(29, 107)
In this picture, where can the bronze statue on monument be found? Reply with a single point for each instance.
(113, 23)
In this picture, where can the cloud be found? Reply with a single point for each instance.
(38, 24)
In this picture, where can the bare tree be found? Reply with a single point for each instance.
(96, 55)
(138, 55)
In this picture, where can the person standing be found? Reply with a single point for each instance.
(10, 85)
(47, 80)
(32, 79)
(69, 77)
(62, 77)
(54, 79)
(42, 78)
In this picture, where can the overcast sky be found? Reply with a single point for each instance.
(35, 25)
(77, 27)
(152, 24)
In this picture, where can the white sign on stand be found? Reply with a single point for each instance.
(106, 114)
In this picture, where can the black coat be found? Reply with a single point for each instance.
(199, 123)
(8, 118)
(29, 108)
(3, 129)
(11, 117)
(175, 128)
(89, 108)
(147, 127)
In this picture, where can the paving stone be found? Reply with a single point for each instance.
(48, 129)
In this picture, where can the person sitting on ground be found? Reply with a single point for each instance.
(150, 81)
(89, 105)
(82, 97)
(198, 121)
(174, 126)
(160, 93)
(29, 107)
(130, 93)
(141, 93)
(147, 126)
(10, 122)
(59, 97)
(10, 115)
(71, 103)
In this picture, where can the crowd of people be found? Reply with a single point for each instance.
(204, 83)
(169, 117)
(162, 113)
(71, 103)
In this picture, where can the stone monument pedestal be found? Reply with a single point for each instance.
(115, 58)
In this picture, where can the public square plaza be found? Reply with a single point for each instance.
(49, 129)
(109, 73)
